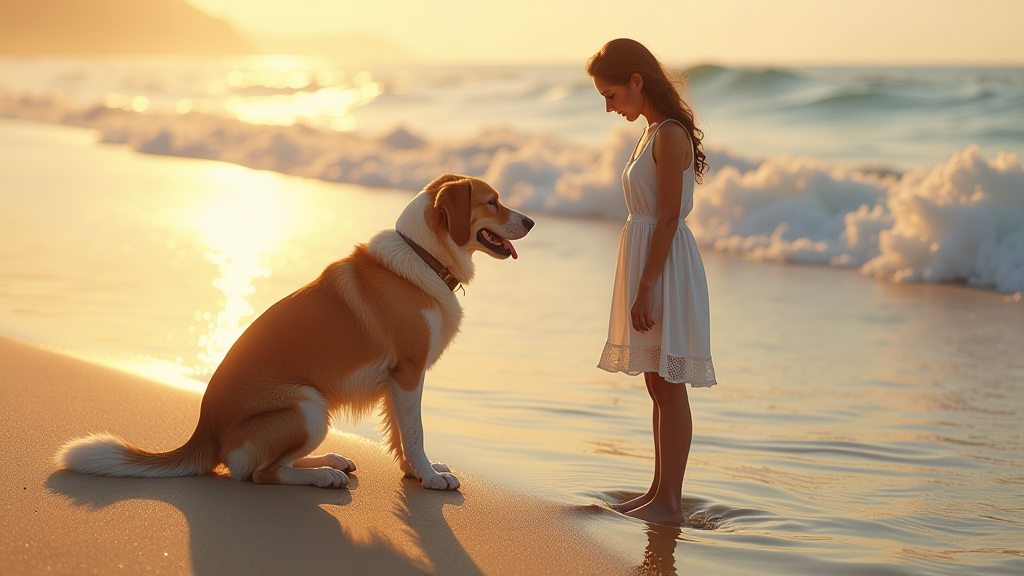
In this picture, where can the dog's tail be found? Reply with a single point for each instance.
(108, 455)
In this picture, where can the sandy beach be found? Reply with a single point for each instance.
(65, 523)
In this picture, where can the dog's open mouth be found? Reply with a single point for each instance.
(495, 243)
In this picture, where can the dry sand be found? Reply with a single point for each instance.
(55, 521)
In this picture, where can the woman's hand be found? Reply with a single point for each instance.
(642, 312)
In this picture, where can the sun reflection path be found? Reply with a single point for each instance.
(240, 230)
(235, 282)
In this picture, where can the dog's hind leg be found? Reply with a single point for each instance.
(268, 445)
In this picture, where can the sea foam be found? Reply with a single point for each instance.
(960, 221)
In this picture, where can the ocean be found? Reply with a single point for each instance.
(862, 230)
(877, 169)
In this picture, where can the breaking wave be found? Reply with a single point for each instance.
(959, 221)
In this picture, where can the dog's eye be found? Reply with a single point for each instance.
(492, 202)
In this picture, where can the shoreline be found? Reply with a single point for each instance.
(63, 522)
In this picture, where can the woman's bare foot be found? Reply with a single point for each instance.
(655, 513)
(630, 505)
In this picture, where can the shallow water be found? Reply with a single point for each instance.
(860, 427)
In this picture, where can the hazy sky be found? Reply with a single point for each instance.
(889, 32)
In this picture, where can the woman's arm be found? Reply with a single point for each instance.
(671, 155)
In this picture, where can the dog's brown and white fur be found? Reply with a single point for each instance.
(365, 331)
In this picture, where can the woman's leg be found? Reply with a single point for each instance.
(645, 498)
(675, 432)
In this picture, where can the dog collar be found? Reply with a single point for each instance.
(442, 272)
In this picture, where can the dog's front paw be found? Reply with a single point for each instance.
(442, 481)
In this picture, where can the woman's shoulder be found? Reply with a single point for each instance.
(672, 141)
(672, 128)
(671, 136)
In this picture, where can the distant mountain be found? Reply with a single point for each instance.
(89, 27)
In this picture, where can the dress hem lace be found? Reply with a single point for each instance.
(634, 360)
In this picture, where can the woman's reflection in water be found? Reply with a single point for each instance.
(659, 557)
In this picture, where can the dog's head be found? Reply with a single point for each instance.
(468, 210)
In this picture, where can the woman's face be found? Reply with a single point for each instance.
(627, 100)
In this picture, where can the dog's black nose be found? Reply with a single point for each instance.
(528, 223)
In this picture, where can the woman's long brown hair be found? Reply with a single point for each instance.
(616, 63)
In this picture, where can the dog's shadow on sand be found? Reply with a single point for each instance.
(244, 528)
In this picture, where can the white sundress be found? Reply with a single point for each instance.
(679, 346)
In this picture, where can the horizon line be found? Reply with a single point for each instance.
(722, 62)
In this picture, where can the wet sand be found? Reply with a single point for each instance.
(61, 522)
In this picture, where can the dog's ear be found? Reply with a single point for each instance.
(453, 201)
(442, 180)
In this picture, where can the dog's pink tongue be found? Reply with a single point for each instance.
(508, 246)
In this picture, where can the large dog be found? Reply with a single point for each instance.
(366, 330)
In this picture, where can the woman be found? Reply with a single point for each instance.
(659, 316)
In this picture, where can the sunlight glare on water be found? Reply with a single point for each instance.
(284, 90)
(240, 228)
